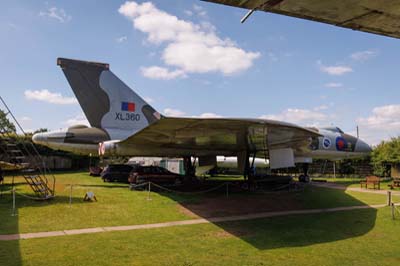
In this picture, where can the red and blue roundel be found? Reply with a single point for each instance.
(341, 144)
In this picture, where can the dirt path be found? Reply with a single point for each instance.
(178, 223)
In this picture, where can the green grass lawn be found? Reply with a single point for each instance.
(355, 182)
(359, 237)
(117, 205)
(362, 237)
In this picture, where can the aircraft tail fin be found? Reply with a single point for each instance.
(107, 102)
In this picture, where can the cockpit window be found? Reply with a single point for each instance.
(334, 129)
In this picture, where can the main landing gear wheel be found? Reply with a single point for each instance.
(304, 178)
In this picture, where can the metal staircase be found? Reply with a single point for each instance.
(24, 158)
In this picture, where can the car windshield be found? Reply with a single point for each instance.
(163, 170)
(147, 170)
(119, 167)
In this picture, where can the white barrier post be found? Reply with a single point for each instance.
(148, 193)
(393, 211)
(13, 211)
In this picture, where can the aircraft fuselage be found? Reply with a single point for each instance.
(334, 144)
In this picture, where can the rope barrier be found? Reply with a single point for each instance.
(189, 193)
(23, 195)
(5, 191)
(86, 187)
(34, 198)
(140, 185)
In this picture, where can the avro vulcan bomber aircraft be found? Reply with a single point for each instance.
(123, 124)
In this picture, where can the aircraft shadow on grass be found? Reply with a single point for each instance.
(282, 231)
(10, 250)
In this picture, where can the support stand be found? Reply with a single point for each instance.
(249, 170)
(190, 169)
(148, 192)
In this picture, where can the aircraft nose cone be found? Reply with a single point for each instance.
(39, 138)
(363, 147)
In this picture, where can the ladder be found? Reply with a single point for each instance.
(25, 158)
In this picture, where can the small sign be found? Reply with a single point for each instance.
(90, 196)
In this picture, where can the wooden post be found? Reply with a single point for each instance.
(389, 198)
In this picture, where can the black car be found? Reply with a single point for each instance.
(116, 172)
(155, 174)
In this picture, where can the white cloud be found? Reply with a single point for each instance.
(364, 55)
(26, 124)
(179, 113)
(192, 48)
(155, 72)
(197, 57)
(321, 107)
(333, 85)
(12, 26)
(173, 112)
(121, 39)
(298, 116)
(273, 57)
(56, 13)
(334, 70)
(188, 13)
(199, 10)
(25, 119)
(77, 120)
(149, 100)
(208, 115)
(50, 97)
(383, 123)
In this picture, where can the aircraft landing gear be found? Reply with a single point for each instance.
(304, 177)
(189, 166)
(249, 174)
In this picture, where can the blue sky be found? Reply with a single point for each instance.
(272, 66)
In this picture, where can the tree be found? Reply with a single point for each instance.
(40, 130)
(5, 124)
(386, 153)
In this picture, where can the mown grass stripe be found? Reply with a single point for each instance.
(178, 223)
